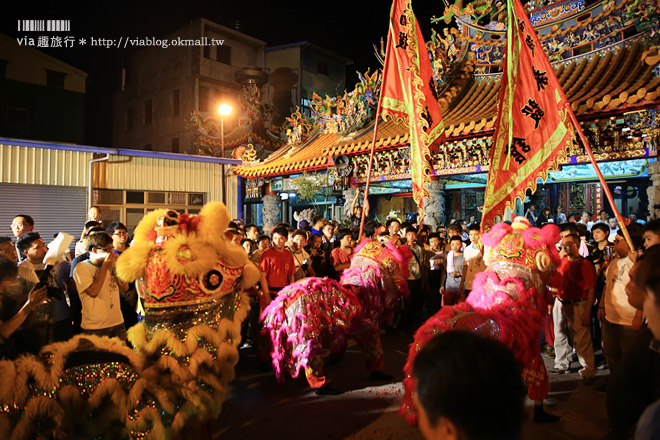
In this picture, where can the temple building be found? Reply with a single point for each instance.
(605, 57)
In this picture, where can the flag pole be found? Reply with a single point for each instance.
(606, 189)
(373, 140)
(373, 148)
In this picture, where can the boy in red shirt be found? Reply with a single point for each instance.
(277, 266)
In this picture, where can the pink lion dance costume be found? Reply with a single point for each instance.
(507, 303)
(315, 317)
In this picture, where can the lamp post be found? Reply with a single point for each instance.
(223, 110)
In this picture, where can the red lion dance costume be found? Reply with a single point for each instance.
(315, 317)
(507, 303)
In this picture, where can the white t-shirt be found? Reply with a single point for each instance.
(475, 264)
(103, 311)
(617, 308)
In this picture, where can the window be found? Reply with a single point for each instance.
(107, 197)
(207, 52)
(307, 107)
(135, 197)
(204, 98)
(175, 145)
(175, 103)
(196, 199)
(129, 119)
(126, 71)
(156, 197)
(18, 117)
(322, 68)
(177, 198)
(147, 112)
(223, 54)
(55, 79)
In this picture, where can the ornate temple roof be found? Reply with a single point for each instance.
(292, 159)
(611, 81)
(617, 75)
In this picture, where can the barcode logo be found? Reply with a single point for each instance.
(44, 25)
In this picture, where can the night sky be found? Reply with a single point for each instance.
(349, 28)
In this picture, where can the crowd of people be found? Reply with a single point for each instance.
(80, 293)
(590, 308)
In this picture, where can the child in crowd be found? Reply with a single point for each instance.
(474, 259)
(341, 256)
(437, 273)
(651, 233)
(455, 261)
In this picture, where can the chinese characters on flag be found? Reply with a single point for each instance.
(532, 129)
(408, 93)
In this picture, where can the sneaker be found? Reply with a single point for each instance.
(558, 370)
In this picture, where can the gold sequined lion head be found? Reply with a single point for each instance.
(181, 260)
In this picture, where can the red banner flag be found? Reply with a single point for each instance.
(408, 93)
(533, 127)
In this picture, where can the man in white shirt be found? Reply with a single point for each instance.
(614, 227)
(474, 260)
(586, 220)
(621, 321)
(21, 224)
(99, 289)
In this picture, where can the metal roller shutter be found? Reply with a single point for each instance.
(53, 208)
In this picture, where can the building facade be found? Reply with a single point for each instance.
(160, 87)
(63, 180)
(41, 97)
(297, 72)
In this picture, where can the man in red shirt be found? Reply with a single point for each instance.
(572, 311)
(277, 266)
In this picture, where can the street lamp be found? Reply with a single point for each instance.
(223, 110)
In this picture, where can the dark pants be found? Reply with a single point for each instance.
(62, 330)
(251, 328)
(616, 340)
(433, 296)
(413, 305)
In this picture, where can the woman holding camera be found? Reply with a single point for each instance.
(300, 256)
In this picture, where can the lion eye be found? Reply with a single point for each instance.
(211, 281)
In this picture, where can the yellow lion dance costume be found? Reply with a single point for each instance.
(191, 281)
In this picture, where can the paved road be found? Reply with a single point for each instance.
(257, 407)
